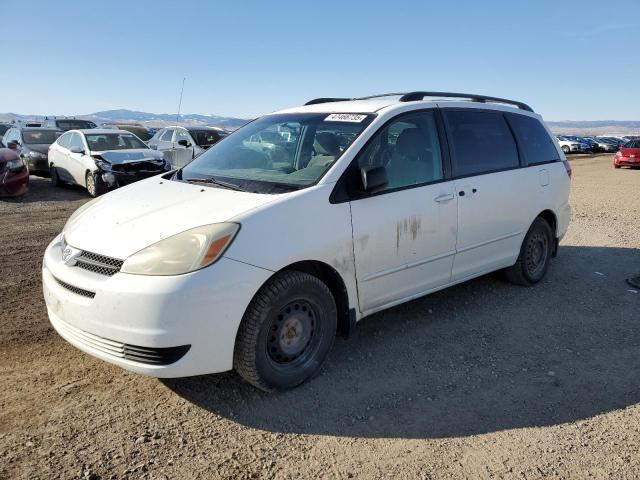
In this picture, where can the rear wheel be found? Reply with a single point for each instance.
(95, 185)
(535, 255)
(286, 332)
(55, 179)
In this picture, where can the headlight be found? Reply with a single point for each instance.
(183, 253)
(102, 165)
(33, 154)
(75, 215)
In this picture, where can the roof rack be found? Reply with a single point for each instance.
(416, 96)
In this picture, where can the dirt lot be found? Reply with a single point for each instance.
(484, 380)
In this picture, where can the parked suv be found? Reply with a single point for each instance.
(66, 124)
(180, 145)
(32, 144)
(253, 256)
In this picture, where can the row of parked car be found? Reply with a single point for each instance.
(593, 144)
(98, 158)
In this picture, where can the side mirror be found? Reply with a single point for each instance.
(184, 143)
(76, 149)
(373, 178)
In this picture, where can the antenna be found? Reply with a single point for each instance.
(180, 102)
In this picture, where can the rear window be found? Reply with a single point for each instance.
(44, 137)
(74, 124)
(481, 142)
(537, 145)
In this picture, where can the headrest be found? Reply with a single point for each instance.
(326, 143)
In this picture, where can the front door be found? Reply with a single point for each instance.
(404, 236)
(183, 154)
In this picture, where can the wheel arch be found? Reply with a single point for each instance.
(550, 217)
(334, 281)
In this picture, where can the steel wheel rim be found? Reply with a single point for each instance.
(293, 334)
(537, 253)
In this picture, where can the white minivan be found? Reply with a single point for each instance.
(256, 254)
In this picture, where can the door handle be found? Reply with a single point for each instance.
(444, 198)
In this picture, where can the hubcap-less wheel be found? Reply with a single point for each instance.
(536, 254)
(292, 333)
(286, 332)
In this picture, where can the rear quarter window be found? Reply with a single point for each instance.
(536, 144)
(480, 142)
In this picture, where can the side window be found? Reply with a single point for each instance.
(64, 140)
(182, 135)
(166, 136)
(76, 141)
(480, 142)
(537, 145)
(409, 149)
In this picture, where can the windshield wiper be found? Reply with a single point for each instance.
(214, 181)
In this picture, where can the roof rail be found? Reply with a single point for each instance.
(315, 101)
(415, 96)
(368, 97)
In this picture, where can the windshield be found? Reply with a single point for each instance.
(74, 124)
(289, 151)
(207, 137)
(33, 137)
(113, 141)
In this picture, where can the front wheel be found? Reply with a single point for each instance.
(566, 149)
(55, 179)
(535, 255)
(286, 332)
(95, 185)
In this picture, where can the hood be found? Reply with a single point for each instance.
(38, 147)
(129, 156)
(131, 218)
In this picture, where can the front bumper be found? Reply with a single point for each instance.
(627, 161)
(108, 316)
(39, 164)
(14, 183)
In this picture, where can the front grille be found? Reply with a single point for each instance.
(76, 290)
(100, 264)
(145, 355)
(139, 167)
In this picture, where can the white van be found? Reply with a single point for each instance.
(253, 256)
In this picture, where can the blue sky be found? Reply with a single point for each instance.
(575, 60)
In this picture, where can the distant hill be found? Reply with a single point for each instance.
(145, 118)
(596, 127)
(158, 119)
(577, 127)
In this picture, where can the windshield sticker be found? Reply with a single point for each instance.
(345, 117)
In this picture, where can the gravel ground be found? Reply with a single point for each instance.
(483, 380)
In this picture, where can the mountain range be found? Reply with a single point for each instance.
(577, 127)
(144, 118)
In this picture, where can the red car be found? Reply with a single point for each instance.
(628, 155)
(14, 174)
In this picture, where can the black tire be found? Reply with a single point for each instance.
(55, 179)
(535, 255)
(566, 149)
(286, 332)
(616, 166)
(94, 184)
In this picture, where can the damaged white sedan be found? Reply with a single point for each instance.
(100, 160)
(257, 253)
